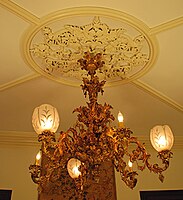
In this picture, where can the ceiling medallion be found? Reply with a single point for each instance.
(54, 47)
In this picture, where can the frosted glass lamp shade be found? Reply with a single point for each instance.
(161, 138)
(73, 167)
(45, 117)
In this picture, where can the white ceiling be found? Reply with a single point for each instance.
(155, 98)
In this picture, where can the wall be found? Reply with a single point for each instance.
(15, 158)
(18, 150)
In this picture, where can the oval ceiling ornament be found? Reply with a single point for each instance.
(54, 46)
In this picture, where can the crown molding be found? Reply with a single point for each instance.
(19, 11)
(166, 26)
(15, 138)
(18, 81)
(158, 95)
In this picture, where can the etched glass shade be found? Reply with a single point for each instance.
(161, 138)
(73, 167)
(45, 117)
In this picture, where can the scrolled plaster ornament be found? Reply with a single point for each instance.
(124, 54)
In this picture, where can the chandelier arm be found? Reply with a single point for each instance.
(121, 149)
(141, 154)
(165, 157)
(35, 171)
(138, 154)
(128, 176)
(49, 150)
(46, 138)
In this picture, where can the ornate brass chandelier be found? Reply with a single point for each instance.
(93, 141)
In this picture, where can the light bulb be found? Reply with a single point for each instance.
(76, 171)
(130, 164)
(38, 157)
(120, 120)
(161, 138)
(120, 117)
(162, 141)
(73, 167)
(47, 124)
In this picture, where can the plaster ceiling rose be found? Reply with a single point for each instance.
(54, 46)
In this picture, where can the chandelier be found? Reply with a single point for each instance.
(82, 149)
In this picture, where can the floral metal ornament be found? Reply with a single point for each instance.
(92, 141)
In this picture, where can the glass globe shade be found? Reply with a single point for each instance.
(73, 167)
(161, 138)
(45, 117)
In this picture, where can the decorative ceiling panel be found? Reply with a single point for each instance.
(53, 47)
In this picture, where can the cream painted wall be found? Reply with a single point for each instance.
(14, 173)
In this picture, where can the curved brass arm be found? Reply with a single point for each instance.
(123, 141)
(35, 171)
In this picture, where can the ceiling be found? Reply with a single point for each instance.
(155, 97)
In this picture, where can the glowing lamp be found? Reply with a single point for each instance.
(120, 117)
(73, 167)
(45, 118)
(130, 164)
(120, 120)
(161, 138)
(38, 157)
